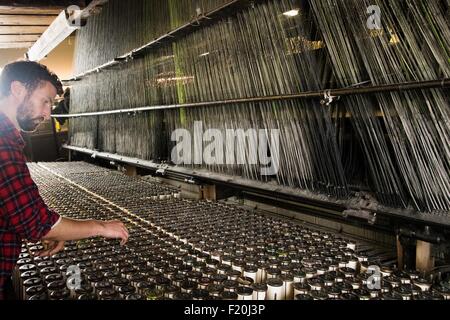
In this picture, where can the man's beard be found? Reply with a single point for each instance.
(24, 117)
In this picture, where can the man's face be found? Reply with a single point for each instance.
(36, 107)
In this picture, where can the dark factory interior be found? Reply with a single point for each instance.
(230, 149)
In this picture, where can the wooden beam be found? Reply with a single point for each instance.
(22, 29)
(26, 20)
(31, 10)
(424, 257)
(15, 45)
(209, 192)
(18, 38)
(42, 3)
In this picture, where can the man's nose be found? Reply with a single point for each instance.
(47, 114)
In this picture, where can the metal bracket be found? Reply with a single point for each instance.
(361, 214)
(162, 170)
(328, 98)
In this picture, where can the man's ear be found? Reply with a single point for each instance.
(18, 91)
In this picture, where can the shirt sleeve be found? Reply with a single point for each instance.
(22, 206)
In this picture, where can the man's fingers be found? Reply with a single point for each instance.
(59, 246)
(48, 247)
(124, 237)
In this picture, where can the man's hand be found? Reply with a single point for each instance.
(114, 230)
(74, 230)
(51, 248)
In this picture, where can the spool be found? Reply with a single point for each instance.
(310, 272)
(203, 283)
(61, 294)
(187, 286)
(238, 265)
(215, 289)
(135, 296)
(244, 293)
(228, 295)
(170, 291)
(218, 278)
(125, 291)
(319, 295)
(393, 281)
(275, 290)
(349, 296)
(334, 292)
(223, 268)
(259, 291)
(423, 284)
(245, 281)
(230, 285)
(117, 283)
(301, 288)
(429, 296)
(273, 273)
(34, 290)
(182, 296)
(315, 284)
(299, 276)
(363, 294)
(200, 294)
(84, 289)
(404, 291)
(31, 282)
(261, 274)
(288, 286)
(233, 275)
(102, 285)
(353, 263)
(108, 294)
(251, 272)
(88, 296)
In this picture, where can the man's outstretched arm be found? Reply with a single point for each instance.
(69, 229)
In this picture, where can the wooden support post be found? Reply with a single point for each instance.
(130, 170)
(209, 192)
(400, 254)
(424, 257)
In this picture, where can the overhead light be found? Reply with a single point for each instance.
(69, 20)
(56, 33)
(291, 13)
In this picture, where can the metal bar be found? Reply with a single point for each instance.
(280, 192)
(431, 84)
(55, 138)
(201, 21)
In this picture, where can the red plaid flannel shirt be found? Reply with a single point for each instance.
(23, 213)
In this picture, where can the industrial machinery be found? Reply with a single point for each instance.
(265, 149)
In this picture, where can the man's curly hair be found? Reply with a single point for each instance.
(30, 74)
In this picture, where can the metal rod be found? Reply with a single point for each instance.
(432, 84)
(201, 21)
